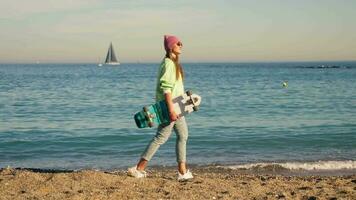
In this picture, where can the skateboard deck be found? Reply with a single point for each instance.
(157, 113)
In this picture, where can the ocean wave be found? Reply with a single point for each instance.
(325, 67)
(319, 165)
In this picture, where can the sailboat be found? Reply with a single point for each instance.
(111, 57)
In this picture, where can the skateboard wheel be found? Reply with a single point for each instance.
(150, 124)
(195, 108)
(189, 93)
(145, 109)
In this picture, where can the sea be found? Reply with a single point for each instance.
(80, 116)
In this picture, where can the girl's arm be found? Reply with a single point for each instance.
(172, 115)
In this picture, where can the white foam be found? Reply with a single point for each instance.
(319, 165)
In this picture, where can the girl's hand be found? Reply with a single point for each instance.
(173, 116)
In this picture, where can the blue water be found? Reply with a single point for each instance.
(81, 116)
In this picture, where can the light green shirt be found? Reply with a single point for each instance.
(167, 81)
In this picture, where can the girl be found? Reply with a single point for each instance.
(169, 85)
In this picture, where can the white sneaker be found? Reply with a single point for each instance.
(136, 173)
(188, 175)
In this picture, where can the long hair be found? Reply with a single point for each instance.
(179, 68)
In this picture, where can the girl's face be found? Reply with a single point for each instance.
(177, 48)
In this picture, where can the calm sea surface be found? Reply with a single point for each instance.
(71, 116)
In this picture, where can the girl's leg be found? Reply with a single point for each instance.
(182, 168)
(181, 130)
(162, 135)
(141, 165)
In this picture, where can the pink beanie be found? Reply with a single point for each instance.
(169, 41)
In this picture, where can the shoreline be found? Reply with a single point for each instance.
(274, 170)
(210, 182)
(290, 168)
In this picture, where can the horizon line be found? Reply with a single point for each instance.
(188, 62)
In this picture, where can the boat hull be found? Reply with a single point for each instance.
(112, 63)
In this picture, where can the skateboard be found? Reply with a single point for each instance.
(157, 113)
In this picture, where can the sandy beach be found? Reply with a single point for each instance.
(208, 183)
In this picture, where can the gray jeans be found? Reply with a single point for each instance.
(162, 135)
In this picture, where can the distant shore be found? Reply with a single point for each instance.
(210, 182)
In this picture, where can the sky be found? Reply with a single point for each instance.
(210, 30)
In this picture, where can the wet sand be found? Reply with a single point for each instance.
(208, 183)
